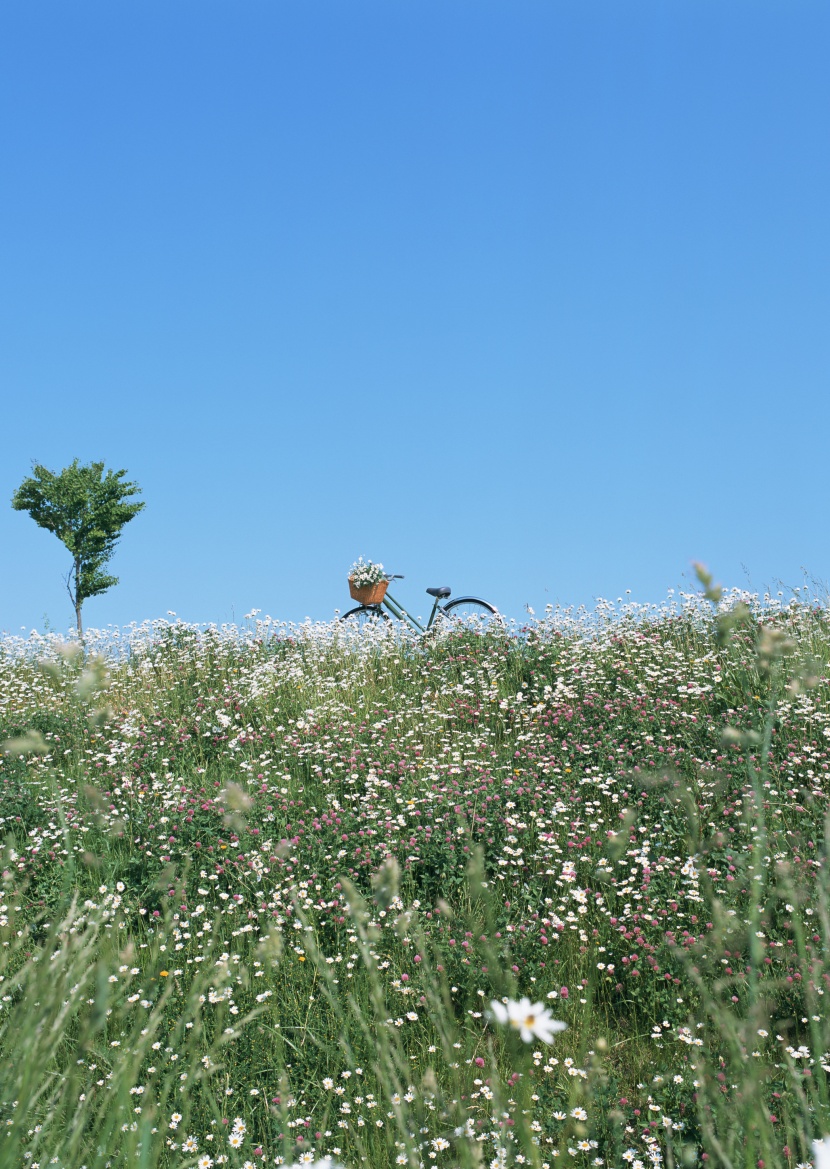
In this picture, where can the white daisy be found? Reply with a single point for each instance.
(531, 1020)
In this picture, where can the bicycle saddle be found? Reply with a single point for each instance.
(442, 592)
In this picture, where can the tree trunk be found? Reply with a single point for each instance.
(78, 600)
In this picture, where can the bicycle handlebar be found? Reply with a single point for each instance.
(397, 577)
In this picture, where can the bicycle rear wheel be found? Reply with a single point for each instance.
(366, 617)
(470, 613)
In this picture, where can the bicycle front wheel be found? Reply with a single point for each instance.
(366, 617)
(470, 613)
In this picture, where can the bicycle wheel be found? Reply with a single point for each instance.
(470, 613)
(366, 617)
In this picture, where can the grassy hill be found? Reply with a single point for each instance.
(260, 888)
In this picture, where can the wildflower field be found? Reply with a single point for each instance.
(275, 895)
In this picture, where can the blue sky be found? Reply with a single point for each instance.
(526, 298)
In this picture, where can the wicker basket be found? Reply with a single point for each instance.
(371, 594)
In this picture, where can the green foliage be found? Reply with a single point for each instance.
(349, 846)
(86, 508)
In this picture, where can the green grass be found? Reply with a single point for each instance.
(279, 875)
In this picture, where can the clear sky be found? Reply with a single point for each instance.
(526, 297)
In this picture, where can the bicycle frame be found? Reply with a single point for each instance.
(397, 610)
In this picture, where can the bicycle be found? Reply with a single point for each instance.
(470, 610)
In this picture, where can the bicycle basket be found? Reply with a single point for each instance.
(371, 594)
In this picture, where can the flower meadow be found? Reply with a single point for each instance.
(543, 895)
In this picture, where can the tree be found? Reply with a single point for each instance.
(86, 509)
